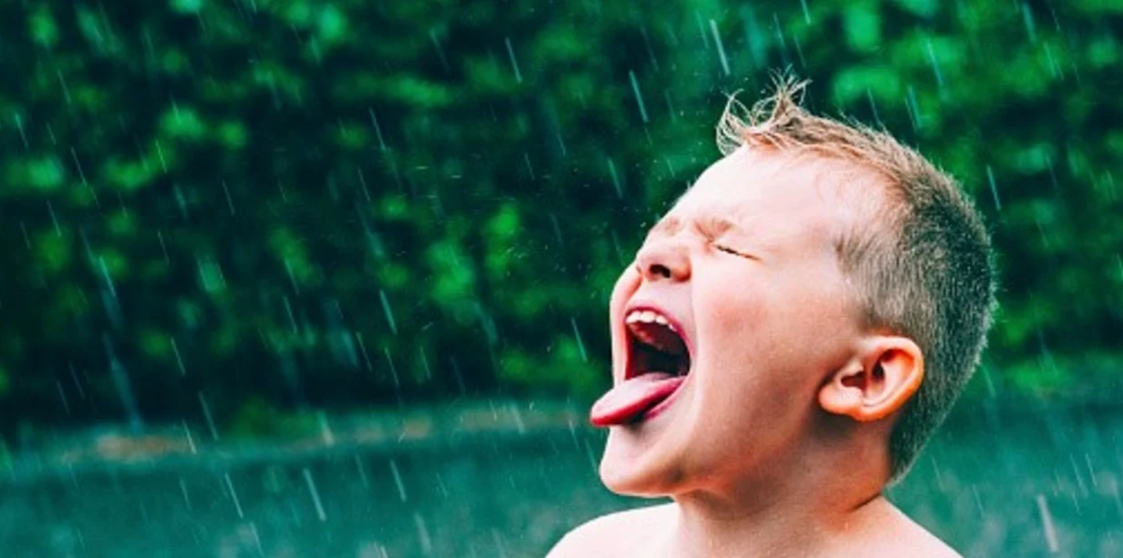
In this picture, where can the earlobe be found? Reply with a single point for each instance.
(877, 382)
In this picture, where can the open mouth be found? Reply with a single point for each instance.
(654, 346)
(657, 364)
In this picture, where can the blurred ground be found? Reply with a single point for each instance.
(506, 479)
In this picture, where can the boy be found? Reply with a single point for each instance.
(789, 335)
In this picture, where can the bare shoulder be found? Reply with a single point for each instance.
(901, 536)
(602, 536)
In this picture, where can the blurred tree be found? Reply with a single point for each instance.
(311, 203)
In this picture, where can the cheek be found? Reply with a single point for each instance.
(625, 286)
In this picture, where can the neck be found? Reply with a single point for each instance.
(790, 509)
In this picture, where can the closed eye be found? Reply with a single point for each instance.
(728, 250)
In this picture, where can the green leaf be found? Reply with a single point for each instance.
(43, 29)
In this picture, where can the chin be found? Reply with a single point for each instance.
(638, 465)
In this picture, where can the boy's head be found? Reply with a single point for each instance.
(822, 288)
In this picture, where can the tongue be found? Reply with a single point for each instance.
(623, 403)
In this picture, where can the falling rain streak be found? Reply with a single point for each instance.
(720, 47)
(639, 96)
(514, 61)
(315, 494)
(483, 205)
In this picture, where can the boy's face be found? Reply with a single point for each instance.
(746, 264)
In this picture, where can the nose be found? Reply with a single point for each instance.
(663, 260)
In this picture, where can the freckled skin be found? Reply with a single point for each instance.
(746, 263)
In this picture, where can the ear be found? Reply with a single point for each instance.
(882, 376)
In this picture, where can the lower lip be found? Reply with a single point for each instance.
(663, 405)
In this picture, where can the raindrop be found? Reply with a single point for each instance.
(702, 30)
(615, 178)
(1027, 19)
(1054, 68)
(186, 497)
(229, 200)
(517, 415)
(207, 415)
(26, 237)
(256, 539)
(163, 247)
(780, 37)
(292, 277)
(529, 167)
(514, 62)
(993, 188)
(190, 438)
(387, 311)
(425, 363)
(393, 369)
(363, 350)
(178, 358)
(873, 108)
(325, 428)
(913, 109)
(557, 230)
(124, 388)
(160, 153)
(82, 392)
(458, 376)
(423, 533)
(65, 88)
(806, 12)
(62, 396)
(935, 65)
(720, 47)
(639, 97)
(590, 454)
(580, 343)
(362, 471)
(441, 487)
(647, 45)
(495, 536)
(23, 133)
(233, 495)
(54, 219)
(106, 277)
(377, 129)
(315, 494)
(670, 105)
(1047, 523)
(363, 184)
(398, 480)
(753, 36)
(440, 50)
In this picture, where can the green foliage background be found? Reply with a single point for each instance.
(289, 203)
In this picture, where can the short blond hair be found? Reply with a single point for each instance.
(922, 263)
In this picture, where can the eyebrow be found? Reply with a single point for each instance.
(707, 224)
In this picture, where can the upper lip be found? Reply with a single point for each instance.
(674, 322)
